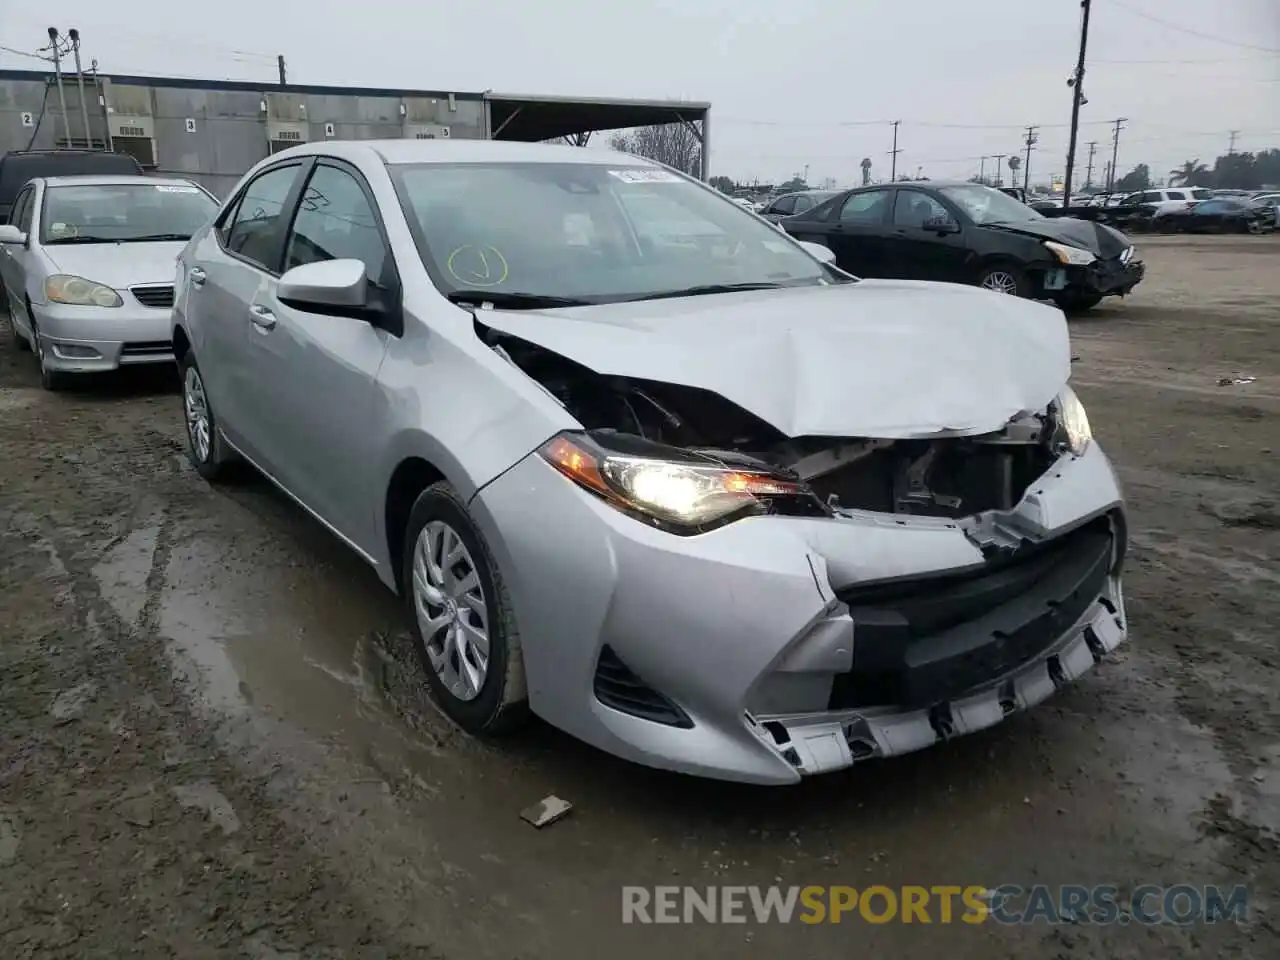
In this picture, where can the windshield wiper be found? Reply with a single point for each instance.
(61, 240)
(155, 236)
(710, 288)
(505, 300)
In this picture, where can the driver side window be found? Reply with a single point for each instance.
(912, 208)
(784, 206)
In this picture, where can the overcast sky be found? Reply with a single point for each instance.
(792, 83)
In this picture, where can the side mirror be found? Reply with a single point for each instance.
(337, 288)
(818, 251)
(941, 225)
(11, 235)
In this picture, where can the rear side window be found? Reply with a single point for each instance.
(1177, 195)
(787, 205)
(1201, 194)
(255, 230)
(865, 207)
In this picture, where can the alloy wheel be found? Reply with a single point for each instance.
(196, 407)
(453, 616)
(1000, 281)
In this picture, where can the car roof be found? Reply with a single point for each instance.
(395, 152)
(117, 180)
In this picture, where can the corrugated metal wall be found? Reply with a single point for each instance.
(214, 136)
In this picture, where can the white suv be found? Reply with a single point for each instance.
(1167, 200)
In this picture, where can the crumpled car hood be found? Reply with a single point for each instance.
(1097, 238)
(878, 358)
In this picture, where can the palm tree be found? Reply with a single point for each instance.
(1190, 174)
(866, 170)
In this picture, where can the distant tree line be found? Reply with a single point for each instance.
(678, 146)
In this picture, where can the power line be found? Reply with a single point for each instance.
(1189, 31)
(23, 53)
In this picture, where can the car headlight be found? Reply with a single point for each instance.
(672, 489)
(77, 291)
(1073, 430)
(1072, 256)
(1128, 254)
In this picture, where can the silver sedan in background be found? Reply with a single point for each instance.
(640, 463)
(88, 267)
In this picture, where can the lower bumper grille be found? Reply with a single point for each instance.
(617, 687)
(154, 295)
(926, 640)
(147, 348)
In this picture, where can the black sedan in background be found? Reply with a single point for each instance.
(969, 233)
(789, 204)
(1219, 215)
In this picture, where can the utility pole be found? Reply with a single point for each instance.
(1118, 124)
(1033, 137)
(284, 76)
(74, 34)
(1076, 83)
(54, 42)
(1088, 173)
(1231, 147)
(893, 165)
(982, 169)
(999, 175)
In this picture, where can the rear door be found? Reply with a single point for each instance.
(229, 268)
(312, 377)
(858, 234)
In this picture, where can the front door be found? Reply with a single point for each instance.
(925, 240)
(313, 376)
(13, 262)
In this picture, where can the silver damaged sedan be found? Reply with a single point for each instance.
(644, 466)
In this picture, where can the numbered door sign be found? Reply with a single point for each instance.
(28, 119)
(191, 126)
(328, 129)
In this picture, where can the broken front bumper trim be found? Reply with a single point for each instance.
(822, 743)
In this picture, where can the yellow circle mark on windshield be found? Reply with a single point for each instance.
(478, 266)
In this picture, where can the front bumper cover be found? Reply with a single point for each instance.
(80, 339)
(746, 631)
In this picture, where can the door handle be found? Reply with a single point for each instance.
(196, 276)
(262, 318)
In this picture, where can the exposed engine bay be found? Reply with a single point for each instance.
(947, 477)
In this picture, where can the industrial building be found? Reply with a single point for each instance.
(212, 131)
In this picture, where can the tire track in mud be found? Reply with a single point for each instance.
(96, 740)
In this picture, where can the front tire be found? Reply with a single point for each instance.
(1077, 302)
(206, 449)
(51, 380)
(464, 629)
(1004, 278)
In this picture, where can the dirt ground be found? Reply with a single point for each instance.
(210, 745)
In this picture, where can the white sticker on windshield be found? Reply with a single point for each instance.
(642, 175)
(166, 188)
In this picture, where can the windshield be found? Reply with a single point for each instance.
(590, 233)
(986, 205)
(121, 213)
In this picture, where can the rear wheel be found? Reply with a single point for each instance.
(1004, 278)
(208, 452)
(1070, 302)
